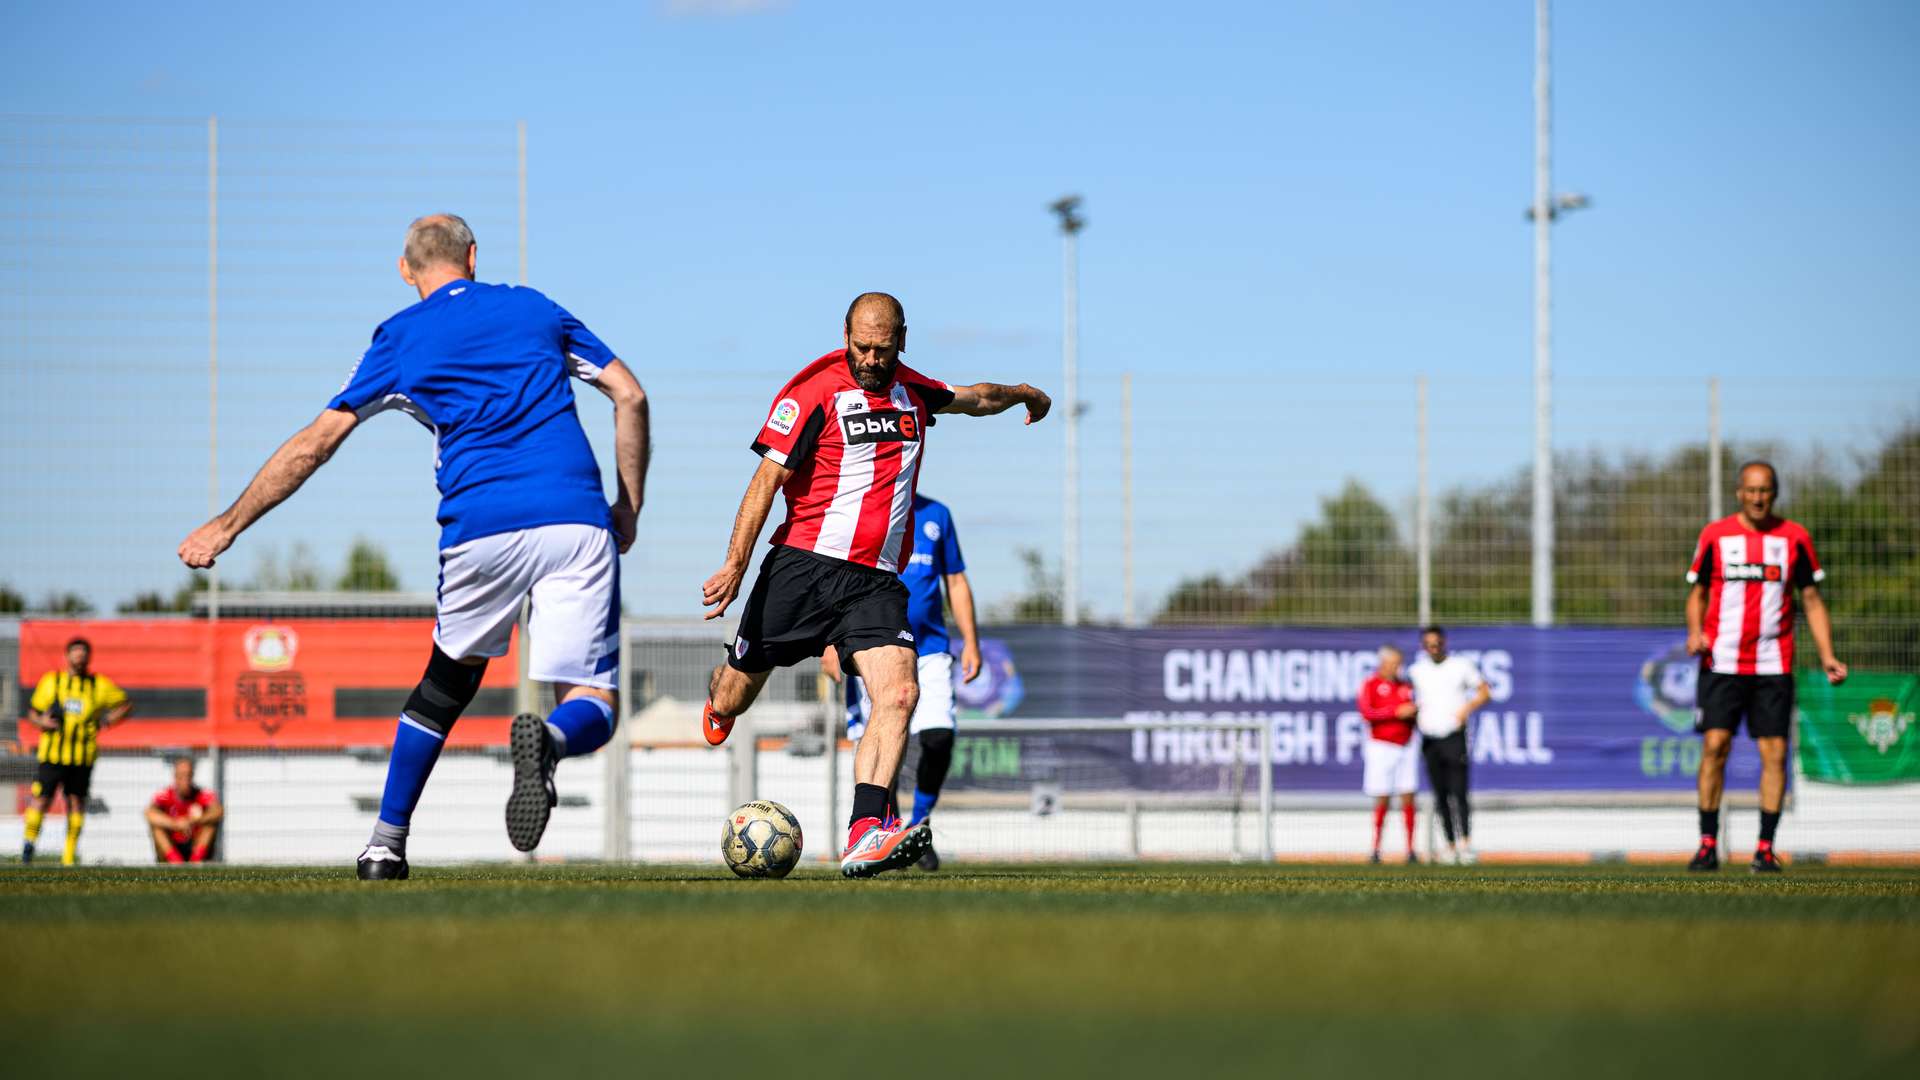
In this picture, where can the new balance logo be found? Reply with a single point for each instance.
(882, 425)
(905, 636)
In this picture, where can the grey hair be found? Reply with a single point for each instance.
(438, 240)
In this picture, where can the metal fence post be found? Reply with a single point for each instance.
(217, 776)
(1714, 450)
(1422, 507)
(1266, 791)
(617, 805)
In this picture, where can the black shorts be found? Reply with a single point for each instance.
(75, 780)
(1766, 701)
(803, 602)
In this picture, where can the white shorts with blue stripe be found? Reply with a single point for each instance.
(572, 575)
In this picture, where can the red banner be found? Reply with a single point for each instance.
(297, 683)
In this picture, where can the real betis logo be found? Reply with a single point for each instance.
(1882, 725)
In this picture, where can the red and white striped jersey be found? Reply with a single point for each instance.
(855, 458)
(1751, 578)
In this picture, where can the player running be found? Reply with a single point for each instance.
(1392, 753)
(1746, 569)
(843, 440)
(522, 515)
(936, 560)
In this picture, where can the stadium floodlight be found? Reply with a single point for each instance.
(1068, 209)
(1564, 203)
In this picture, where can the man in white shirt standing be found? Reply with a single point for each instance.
(1447, 690)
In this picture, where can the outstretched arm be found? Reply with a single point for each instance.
(282, 475)
(724, 585)
(988, 399)
(632, 445)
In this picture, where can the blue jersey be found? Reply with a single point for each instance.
(485, 368)
(936, 553)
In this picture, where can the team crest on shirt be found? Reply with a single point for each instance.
(932, 529)
(784, 415)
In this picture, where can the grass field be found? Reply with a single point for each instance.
(1177, 971)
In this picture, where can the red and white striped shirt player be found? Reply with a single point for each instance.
(855, 460)
(1750, 573)
(843, 440)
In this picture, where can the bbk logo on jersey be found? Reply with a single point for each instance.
(1755, 572)
(882, 425)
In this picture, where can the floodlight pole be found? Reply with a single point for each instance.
(213, 349)
(1070, 225)
(1542, 320)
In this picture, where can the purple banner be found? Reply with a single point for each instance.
(1571, 709)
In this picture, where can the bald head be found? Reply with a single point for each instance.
(876, 335)
(438, 240)
(877, 309)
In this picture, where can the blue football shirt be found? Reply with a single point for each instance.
(936, 553)
(485, 368)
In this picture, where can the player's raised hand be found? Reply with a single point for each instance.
(205, 544)
(1836, 671)
(1038, 404)
(721, 588)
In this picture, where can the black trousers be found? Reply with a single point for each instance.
(1447, 772)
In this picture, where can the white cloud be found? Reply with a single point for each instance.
(724, 9)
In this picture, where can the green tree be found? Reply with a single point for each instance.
(1040, 603)
(367, 570)
(11, 602)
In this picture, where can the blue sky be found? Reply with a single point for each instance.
(1294, 210)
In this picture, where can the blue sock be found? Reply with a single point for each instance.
(580, 726)
(415, 749)
(922, 806)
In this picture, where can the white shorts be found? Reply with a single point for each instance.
(572, 573)
(1391, 769)
(935, 710)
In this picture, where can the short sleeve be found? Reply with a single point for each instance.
(933, 393)
(205, 799)
(1705, 554)
(159, 800)
(1806, 564)
(792, 430)
(950, 560)
(587, 355)
(107, 693)
(43, 694)
(374, 380)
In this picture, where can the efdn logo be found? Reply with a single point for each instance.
(882, 425)
(1754, 572)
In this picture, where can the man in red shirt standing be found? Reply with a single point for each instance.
(1746, 571)
(843, 440)
(183, 818)
(1392, 753)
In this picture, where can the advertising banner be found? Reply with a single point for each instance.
(298, 683)
(1571, 710)
(1860, 732)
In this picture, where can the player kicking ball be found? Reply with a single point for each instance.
(522, 515)
(843, 441)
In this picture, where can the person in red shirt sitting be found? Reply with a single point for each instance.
(1392, 753)
(184, 818)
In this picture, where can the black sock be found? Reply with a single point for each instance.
(1710, 823)
(869, 801)
(1769, 821)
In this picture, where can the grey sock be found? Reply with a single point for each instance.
(389, 836)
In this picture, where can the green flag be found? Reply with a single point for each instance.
(1860, 732)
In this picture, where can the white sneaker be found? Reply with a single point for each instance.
(1453, 856)
(1467, 857)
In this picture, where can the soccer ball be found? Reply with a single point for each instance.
(761, 839)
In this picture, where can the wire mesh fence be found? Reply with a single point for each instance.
(216, 279)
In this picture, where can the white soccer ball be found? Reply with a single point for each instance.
(761, 839)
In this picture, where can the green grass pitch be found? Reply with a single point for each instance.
(1174, 971)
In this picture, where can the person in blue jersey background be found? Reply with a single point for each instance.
(523, 515)
(936, 562)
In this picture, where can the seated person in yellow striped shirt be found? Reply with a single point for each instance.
(70, 708)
